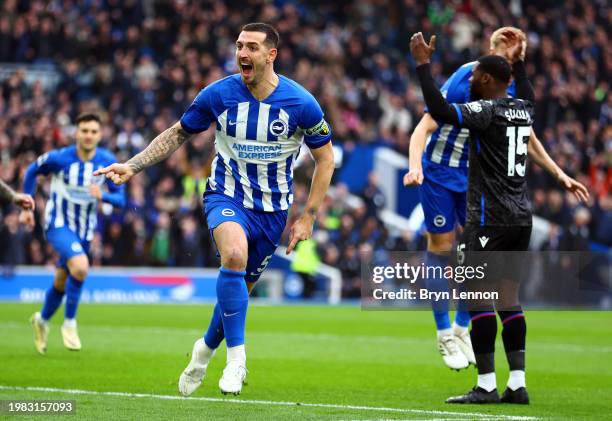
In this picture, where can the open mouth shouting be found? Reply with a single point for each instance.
(246, 69)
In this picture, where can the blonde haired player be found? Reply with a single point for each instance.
(444, 160)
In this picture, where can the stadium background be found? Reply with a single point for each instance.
(140, 63)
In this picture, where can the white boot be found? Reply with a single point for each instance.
(191, 377)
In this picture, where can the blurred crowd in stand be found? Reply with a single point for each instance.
(141, 62)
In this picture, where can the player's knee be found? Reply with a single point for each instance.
(80, 272)
(234, 258)
(79, 269)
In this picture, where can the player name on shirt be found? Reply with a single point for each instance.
(518, 115)
(446, 157)
(500, 130)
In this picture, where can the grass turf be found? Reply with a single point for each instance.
(306, 354)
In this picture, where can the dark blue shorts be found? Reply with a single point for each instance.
(67, 244)
(442, 207)
(263, 229)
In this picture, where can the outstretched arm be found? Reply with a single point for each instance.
(159, 149)
(324, 169)
(538, 154)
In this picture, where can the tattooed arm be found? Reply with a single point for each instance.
(159, 149)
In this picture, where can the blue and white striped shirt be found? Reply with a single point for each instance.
(70, 204)
(257, 142)
(445, 160)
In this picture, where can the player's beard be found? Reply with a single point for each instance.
(253, 82)
(86, 148)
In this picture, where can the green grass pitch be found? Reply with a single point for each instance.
(353, 364)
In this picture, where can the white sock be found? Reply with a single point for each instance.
(458, 330)
(202, 353)
(444, 332)
(236, 353)
(516, 379)
(42, 320)
(70, 322)
(487, 381)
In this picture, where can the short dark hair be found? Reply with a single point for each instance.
(496, 66)
(85, 117)
(272, 37)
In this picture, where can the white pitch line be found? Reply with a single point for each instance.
(412, 419)
(271, 403)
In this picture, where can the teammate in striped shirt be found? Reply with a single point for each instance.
(441, 153)
(70, 220)
(261, 121)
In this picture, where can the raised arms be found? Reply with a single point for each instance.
(438, 107)
(524, 90)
